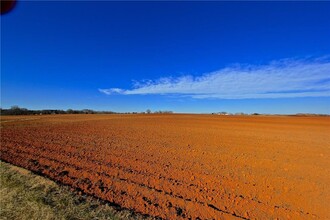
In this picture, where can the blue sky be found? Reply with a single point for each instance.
(266, 57)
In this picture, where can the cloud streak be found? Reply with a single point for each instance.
(279, 79)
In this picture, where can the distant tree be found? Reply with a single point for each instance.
(46, 111)
(163, 112)
(148, 111)
(69, 111)
(167, 112)
(87, 111)
(15, 107)
(16, 110)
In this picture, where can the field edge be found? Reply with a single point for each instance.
(27, 195)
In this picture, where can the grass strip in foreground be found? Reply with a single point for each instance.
(24, 195)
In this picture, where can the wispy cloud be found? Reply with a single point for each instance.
(278, 79)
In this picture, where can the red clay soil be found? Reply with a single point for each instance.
(182, 166)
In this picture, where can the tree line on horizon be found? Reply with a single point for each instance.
(16, 110)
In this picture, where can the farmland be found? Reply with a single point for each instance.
(182, 166)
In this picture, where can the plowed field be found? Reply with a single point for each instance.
(182, 166)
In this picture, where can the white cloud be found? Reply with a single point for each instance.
(278, 79)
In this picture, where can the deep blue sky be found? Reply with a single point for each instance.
(57, 55)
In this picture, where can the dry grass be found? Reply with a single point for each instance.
(24, 195)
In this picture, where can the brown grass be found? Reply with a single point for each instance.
(24, 195)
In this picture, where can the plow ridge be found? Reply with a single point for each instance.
(144, 182)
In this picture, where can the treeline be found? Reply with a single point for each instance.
(242, 113)
(159, 112)
(15, 110)
(237, 113)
